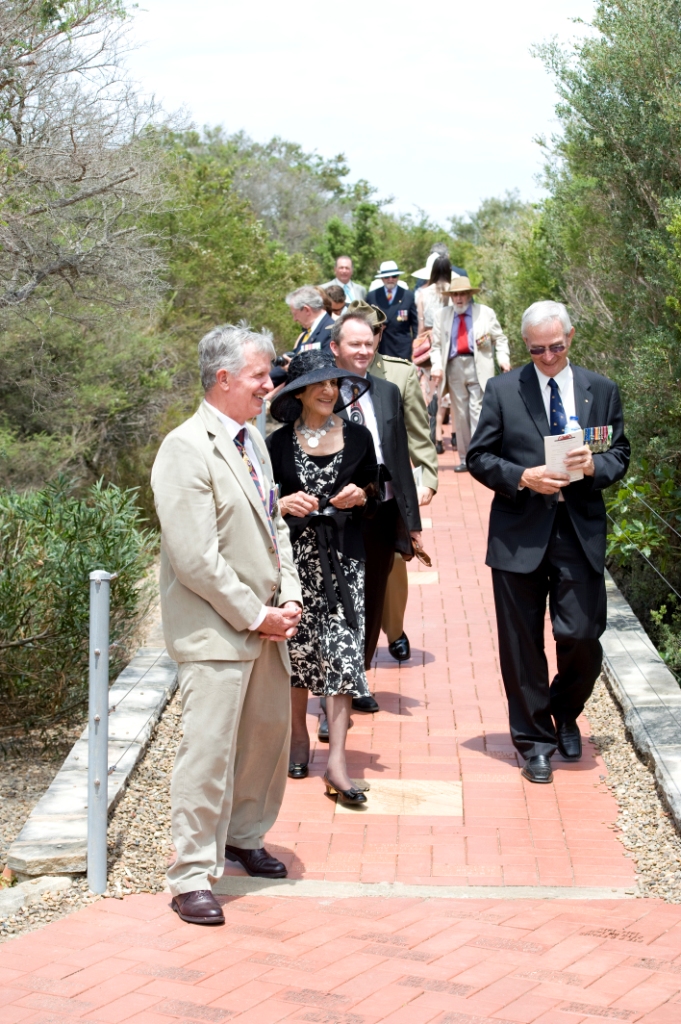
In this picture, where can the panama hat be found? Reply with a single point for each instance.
(460, 284)
(389, 269)
(312, 368)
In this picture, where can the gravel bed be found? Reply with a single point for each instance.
(645, 827)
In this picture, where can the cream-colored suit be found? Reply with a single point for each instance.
(218, 567)
(465, 377)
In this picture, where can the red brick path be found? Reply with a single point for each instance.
(354, 961)
(443, 716)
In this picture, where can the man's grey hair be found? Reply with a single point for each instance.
(224, 348)
(342, 258)
(337, 328)
(542, 312)
(305, 296)
(440, 248)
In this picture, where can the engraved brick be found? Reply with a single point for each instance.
(609, 1012)
(195, 1011)
(452, 988)
(488, 942)
(174, 973)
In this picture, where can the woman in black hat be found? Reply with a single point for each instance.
(328, 479)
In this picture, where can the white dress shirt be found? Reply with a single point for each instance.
(233, 428)
(566, 389)
(371, 423)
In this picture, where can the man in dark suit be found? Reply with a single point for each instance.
(399, 305)
(307, 309)
(547, 535)
(397, 521)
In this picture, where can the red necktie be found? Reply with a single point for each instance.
(462, 346)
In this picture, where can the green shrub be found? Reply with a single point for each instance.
(50, 541)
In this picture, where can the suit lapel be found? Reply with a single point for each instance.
(583, 398)
(230, 453)
(530, 393)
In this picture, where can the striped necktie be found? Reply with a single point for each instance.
(240, 442)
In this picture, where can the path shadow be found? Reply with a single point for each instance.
(499, 747)
(418, 657)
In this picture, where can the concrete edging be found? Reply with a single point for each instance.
(647, 692)
(54, 839)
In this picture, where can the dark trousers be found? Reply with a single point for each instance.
(379, 541)
(578, 610)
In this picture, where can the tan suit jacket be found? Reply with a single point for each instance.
(489, 338)
(218, 564)
(421, 448)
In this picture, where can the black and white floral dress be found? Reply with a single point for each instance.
(327, 656)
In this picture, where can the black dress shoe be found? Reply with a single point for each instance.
(569, 740)
(439, 448)
(400, 648)
(453, 442)
(461, 468)
(537, 769)
(298, 770)
(258, 863)
(353, 797)
(198, 907)
(364, 704)
(323, 729)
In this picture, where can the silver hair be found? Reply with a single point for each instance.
(541, 312)
(224, 348)
(305, 296)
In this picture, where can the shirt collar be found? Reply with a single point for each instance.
(231, 425)
(316, 322)
(562, 379)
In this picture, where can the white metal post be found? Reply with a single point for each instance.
(98, 730)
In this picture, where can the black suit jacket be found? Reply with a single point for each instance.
(510, 439)
(387, 402)
(402, 324)
(319, 340)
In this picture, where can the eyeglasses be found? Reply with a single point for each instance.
(539, 350)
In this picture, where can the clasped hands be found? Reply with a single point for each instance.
(549, 481)
(302, 504)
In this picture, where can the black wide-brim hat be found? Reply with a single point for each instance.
(313, 368)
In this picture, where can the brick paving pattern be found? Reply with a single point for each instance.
(395, 960)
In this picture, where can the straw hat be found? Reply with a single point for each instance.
(460, 284)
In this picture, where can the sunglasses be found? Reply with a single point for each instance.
(539, 350)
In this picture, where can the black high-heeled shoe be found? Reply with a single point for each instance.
(297, 770)
(352, 797)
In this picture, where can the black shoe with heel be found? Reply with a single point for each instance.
(298, 770)
(351, 797)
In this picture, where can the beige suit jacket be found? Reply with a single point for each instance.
(218, 563)
(421, 448)
(489, 338)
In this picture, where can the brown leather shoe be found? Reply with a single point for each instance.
(258, 863)
(198, 907)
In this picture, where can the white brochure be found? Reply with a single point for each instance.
(556, 448)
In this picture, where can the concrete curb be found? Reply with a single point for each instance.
(235, 885)
(54, 839)
(647, 692)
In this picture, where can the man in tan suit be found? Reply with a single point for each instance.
(230, 597)
(466, 337)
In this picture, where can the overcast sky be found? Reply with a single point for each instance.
(437, 108)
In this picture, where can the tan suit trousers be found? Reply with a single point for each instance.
(463, 386)
(395, 601)
(231, 766)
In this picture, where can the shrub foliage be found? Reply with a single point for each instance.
(50, 542)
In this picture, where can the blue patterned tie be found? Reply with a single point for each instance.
(557, 417)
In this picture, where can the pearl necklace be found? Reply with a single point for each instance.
(312, 436)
